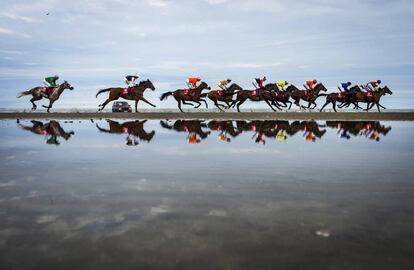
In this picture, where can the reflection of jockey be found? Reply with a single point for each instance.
(309, 85)
(223, 84)
(192, 82)
(281, 136)
(373, 86)
(192, 139)
(259, 84)
(343, 134)
(131, 140)
(130, 80)
(260, 138)
(223, 137)
(309, 136)
(53, 140)
(374, 136)
(344, 87)
(282, 84)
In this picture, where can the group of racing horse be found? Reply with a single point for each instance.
(231, 97)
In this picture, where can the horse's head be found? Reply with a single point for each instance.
(149, 84)
(291, 88)
(320, 87)
(355, 88)
(67, 85)
(386, 90)
(235, 87)
(203, 86)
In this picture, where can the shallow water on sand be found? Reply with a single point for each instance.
(206, 195)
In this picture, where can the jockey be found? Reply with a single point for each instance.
(309, 85)
(50, 82)
(373, 86)
(260, 84)
(130, 80)
(282, 84)
(223, 137)
(344, 87)
(192, 82)
(193, 139)
(223, 84)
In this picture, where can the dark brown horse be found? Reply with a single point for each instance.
(181, 96)
(344, 98)
(52, 130)
(224, 127)
(136, 93)
(252, 95)
(134, 128)
(297, 95)
(225, 96)
(37, 94)
(373, 98)
(359, 128)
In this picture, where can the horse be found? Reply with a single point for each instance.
(180, 95)
(344, 98)
(51, 128)
(135, 128)
(359, 128)
(188, 126)
(297, 95)
(252, 95)
(278, 96)
(225, 96)
(373, 98)
(225, 127)
(136, 93)
(36, 92)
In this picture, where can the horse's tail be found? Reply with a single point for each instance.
(165, 95)
(24, 93)
(103, 90)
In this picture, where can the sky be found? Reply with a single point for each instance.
(94, 44)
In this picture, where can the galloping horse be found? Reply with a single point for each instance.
(135, 128)
(297, 95)
(243, 95)
(222, 96)
(373, 98)
(136, 93)
(344, 98)
(181, 96)
(37, 94)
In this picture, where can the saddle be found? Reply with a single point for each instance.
(253, 92)
(308, 92)
(369, 94)
(220, 92)
(189, 92)
(46, 90)
(341, 95)
(128, 90)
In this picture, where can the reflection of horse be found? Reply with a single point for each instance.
(224, 127)
(132, 128)
(369, 129)
(52, 130)
(188, 126)
(53, 96)
(133, 93)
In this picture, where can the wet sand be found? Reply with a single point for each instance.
(389, 116)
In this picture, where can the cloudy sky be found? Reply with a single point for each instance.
(94, 43)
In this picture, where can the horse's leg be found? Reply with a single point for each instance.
(51, 101)
(136, 105)
(334, 105)
(381, 106)
(204, 102)
(106, 103)
(185, 103)
(199, 104)
(290, 106)
(240, 103)
(324, 105)
(313, 102)
(32, 100)
(270, 105)
(146, 101)
(378, 106)
(179, 105)
(217, 105)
